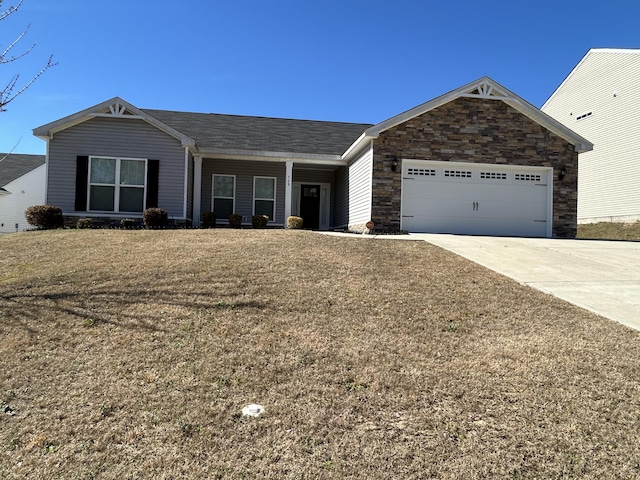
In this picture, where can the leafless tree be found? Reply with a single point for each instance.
(8, 55)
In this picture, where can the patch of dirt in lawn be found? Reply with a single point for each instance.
(130, 354)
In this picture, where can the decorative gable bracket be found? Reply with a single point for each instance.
(487, 90)
(117, 109)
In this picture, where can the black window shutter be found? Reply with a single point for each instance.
(82, 172)
(153, 169)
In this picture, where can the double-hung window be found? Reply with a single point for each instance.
(224, 189)
(264, 196)
(117, 184)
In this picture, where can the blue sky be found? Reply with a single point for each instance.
(342, 60)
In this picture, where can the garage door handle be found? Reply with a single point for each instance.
(407, 216)
(476, 206)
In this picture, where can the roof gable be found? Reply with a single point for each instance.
(15, 165)
(114, 108)
(484, 88)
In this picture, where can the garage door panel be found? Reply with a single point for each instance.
(474, 226)
(474, 199)
(432, 199)
(455, 207)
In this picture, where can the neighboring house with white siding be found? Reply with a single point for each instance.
(22, 179)
(476, 160)
(600, 99)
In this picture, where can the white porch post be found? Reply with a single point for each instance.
(197, 190)
(287, 192)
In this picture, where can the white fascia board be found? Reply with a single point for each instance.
(103, 110)
(495, 92)
(356, 146)
(581, 144)
(265, 156)
(430, 105)
(47, 130)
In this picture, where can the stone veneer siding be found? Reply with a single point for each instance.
(474, 130)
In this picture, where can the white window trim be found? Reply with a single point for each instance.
(116, 193)
(275, 195)
(213, 191)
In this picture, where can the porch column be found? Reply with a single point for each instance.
(287, 192)
(197, 190)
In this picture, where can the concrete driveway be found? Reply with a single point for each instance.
(600, 276)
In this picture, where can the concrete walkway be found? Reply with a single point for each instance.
(600, 276)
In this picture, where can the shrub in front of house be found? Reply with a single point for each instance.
(294, 222)
(208, 219)
(84, 223)
(259, 221)
(45, 217)
(235, 220)
(127, 222)
(155, 218)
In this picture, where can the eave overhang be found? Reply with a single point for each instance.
(484, 88)
(116, 108)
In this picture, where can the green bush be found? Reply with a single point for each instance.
(259, 221)
(208, 219)
(294, 222)
(44, 216)
(155, 218)
(127, 222)
(235, 220)
(84, 223)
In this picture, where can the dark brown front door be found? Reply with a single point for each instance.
(310, 206)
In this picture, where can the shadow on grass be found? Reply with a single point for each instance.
(108, 307)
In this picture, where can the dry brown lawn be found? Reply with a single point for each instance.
(130, 354)
(610, 231)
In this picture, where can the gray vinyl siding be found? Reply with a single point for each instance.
(607, 84)
(244, 171)
(354, 191)
(117, 137)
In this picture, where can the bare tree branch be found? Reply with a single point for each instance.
(9, 92)
(13, 44)
(10, 10)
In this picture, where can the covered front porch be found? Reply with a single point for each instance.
(276, 188)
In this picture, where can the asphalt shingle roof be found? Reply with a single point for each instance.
(235, 132)
(15, 165)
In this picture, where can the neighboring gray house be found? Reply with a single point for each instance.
(477, 160)
(600, 99)
(22, 179)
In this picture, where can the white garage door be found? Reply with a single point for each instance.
(476, 199)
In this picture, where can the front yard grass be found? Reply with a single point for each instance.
(130, 354)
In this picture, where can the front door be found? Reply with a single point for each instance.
(310, 206)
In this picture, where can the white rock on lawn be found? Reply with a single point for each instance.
(253, 410)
